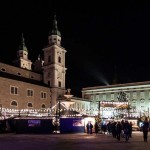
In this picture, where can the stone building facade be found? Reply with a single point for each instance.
(28, 85)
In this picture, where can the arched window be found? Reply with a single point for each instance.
(14, 103)
(30, 105)
(43, 106)
(59, 59)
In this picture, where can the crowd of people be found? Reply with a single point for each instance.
(118, 129)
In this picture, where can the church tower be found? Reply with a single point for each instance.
(54, 69)
(22, 56)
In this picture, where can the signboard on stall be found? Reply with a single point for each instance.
(71, 125)
(33, 125)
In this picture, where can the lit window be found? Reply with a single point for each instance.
(112, 97)
(104, 97)
(92, 97)
(97, 97)
(134, 95)
(142, 95)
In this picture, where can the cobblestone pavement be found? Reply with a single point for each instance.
(80, 141)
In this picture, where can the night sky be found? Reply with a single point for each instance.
(103, 39)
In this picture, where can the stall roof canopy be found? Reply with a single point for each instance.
(115, 104)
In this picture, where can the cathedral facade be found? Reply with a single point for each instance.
(34, 86)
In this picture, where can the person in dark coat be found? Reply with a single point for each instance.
(109, 127)
(113, 129)
(130, 130)
(89, 127)
(96, 127)
(145, 129)
(127, 130)
(118, 129)
(104, 127)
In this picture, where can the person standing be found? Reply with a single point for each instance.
(145, 129)
(96, 127)
(89, 127)
(130, 130)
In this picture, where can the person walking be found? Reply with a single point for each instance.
(145, 129)
(127, 130)
(118, 129)
(113, 129)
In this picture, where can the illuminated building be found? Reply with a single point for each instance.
(28, 86)
(137, 98)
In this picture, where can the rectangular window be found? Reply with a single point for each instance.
(43, 95)
(29, 92)
(134, 95)
(112, 96)
(59, 84)
(142, 95)
(14, 90)
(104, 97)
(97, 97)
(92, 97)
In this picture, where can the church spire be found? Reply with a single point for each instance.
(22, 60)
(22, 45)
(54, 30)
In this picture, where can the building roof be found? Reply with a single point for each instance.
(23, 79)
(22, 45)
(118, 85)
(55, 30)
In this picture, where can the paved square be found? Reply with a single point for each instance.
(80, 141)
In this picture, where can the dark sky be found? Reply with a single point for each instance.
(102, 38)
